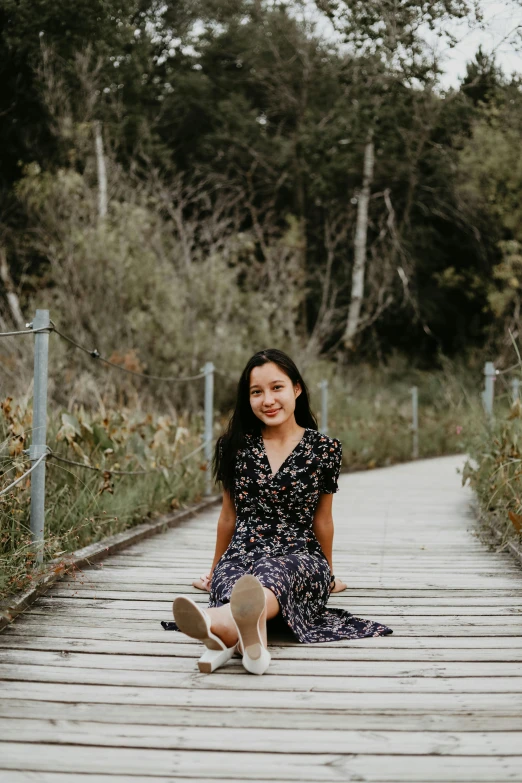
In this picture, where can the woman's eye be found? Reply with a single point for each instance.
(275, 387)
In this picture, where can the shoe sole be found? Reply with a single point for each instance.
(247, 603)
(191, 622)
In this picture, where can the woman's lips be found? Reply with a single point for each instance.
(272, 413)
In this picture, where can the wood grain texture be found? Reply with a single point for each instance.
(93, 689)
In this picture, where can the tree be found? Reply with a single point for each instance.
(388, 38)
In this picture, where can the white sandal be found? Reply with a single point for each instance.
(247, 603)
(194, 622)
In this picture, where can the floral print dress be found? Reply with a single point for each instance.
(274, 540)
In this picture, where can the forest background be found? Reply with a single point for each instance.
(197, 180)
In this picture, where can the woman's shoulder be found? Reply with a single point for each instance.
(325, 442)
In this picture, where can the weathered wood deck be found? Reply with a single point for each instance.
(94, 690)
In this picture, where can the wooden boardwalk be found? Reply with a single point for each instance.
(93, 689)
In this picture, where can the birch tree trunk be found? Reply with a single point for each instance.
(102, 173)
(10, 292)
(361, 231)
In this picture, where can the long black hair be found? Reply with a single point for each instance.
(244, 421)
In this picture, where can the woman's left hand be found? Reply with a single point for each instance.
(203, 583)
(339, 586)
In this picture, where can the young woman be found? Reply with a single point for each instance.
(273, 551)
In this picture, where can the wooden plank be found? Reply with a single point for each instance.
(255, 766)
(287, 653)
(306, 668)
(504, 703)
(278, 683)
(26, 776)
(262, 739)
(226, 717)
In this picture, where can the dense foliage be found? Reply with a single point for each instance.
(237, 130)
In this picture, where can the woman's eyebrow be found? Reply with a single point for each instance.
(255, 385)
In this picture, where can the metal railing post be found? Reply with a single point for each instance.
(515, 389)
(488, 394)
(209, 419)
(39, 434)
(323, 385)
(415, 421)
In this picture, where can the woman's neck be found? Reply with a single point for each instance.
(287, 431)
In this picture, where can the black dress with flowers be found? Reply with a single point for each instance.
(274, 540)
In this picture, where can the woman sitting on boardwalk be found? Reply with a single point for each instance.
(275, 530)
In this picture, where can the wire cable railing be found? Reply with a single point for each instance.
(113, 472)
(22, 331)
(39, 453)
(508, 369)
(94, 354)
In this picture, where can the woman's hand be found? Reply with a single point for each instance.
(203, 583)
(338, 586)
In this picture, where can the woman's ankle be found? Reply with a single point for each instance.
(227, 635)
(224, 627)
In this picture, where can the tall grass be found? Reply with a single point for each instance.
(84, 506)
(494, 469)
(370, 412)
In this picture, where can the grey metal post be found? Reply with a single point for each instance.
(515, 388)
(488, 394)
(209, 419)
(415, 421)
(323, 385)
(39, 435)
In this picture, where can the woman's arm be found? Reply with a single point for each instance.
(323, 527)
(225, 528)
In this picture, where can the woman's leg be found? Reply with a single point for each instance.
(223, 625)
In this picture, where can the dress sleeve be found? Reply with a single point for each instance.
(332, 460)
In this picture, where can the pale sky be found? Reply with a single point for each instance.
(499, 33)
(502, 34)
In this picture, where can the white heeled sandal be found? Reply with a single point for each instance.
(194, 622)
(247, 603)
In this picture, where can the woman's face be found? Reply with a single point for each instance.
(272, 394)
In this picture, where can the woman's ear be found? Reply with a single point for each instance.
(297, 389)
